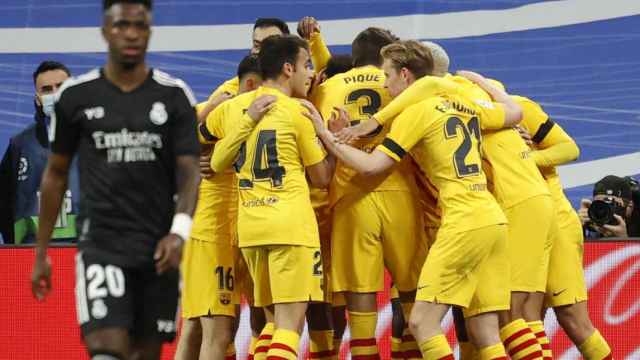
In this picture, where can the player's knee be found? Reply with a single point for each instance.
(106, 355)
(574, 320)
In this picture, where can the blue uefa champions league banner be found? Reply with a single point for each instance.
(578, 58)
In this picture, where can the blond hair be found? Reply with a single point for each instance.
(409, 54)
(440, 58)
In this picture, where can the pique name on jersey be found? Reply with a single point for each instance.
(128, 146)
(362, 78)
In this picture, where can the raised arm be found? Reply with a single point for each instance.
(309, 29)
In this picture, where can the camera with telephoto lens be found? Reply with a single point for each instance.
(601, 211)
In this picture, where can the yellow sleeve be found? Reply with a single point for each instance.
(320, 54)
(232, 86)
(309, 146)
(492, 115)
(406, 131)
(421, 89)
(556, 148)
(226, 150)
(212, 129)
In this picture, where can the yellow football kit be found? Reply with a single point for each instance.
(520, 189)
(553, 146)
(377, 220)
(443, 135)
(513, 178)
(277, 229)
(213, 245)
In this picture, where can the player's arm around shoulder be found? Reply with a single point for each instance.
(505, 112)
(553, 146)
(226, 150)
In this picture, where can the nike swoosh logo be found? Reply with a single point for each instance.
(559, 292)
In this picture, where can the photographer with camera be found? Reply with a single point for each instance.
(611, 212)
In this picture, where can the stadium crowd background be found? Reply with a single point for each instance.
(577, 58)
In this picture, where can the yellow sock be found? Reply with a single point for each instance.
(436, 348)
(284, 345)
(396, 350)
(493, 352)
(321, 344)
(230, 354)
(519, 341)
(538, 330)
(264, 341)
(467, 351)
(363, 334)
(595, 348)
(252, 347)
(409, 345)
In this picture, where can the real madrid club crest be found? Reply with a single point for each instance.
(158, 114)
(23, 168)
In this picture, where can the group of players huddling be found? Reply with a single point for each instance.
(318, 173)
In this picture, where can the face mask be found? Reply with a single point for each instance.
(48, 101)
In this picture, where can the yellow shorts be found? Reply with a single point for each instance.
(376, 230)
(208, 279)
(565, 282)
(284, 273)
(456, 265)
(324, 229)
(528, 244)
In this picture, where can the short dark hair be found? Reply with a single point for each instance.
(107, 4)
(248, 65)
(338, 64)
(269, 22)
(49, 65)
(277, 50)
(366, 47)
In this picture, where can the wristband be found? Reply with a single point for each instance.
(181, 225)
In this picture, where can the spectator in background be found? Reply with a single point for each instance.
(24, 163)
(611, 213)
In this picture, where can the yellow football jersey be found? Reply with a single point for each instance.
(510, 168)
(443, 136)
(216, 213)
(361, 93)
(274, 200)
(545, 133)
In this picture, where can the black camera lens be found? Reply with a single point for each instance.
(601, 212)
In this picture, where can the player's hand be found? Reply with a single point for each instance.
(619, 230)
(41, 277)
(318, 78)
(472, 76)
(524, 134)
(261, 106)
(350, 134)
(339, 120)
(583, 212)
(212, 104)
(313, 115)
(168, 253)
(219, 99)
(307, 26)
(205, 162)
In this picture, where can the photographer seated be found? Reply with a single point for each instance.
(611, 212)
